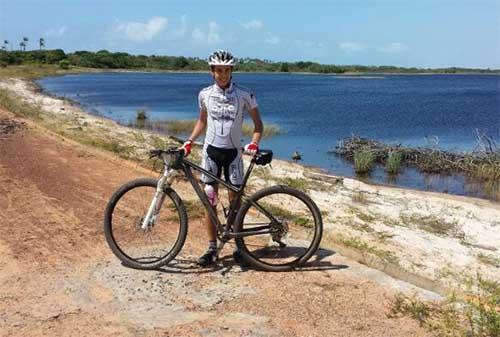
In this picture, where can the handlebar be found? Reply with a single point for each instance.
(159, 152)
(174, 157)
(170, 151)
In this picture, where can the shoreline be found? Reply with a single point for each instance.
(317, 169)
(481, 191)
(433, 239)
(368, 75)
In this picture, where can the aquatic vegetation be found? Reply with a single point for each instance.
(483, 163)
(363, 161)
(393, 162)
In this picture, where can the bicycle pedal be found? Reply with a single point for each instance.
(281, 243)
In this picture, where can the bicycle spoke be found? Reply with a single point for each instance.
(144, 245)
(295, 227)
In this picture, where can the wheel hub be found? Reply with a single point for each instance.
(279, 229)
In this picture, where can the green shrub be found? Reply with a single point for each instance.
(140, 119)
(64, 64)
(363, 161)
(411, 306)
(393, 163)
(475, 313)
(297, 183)
(141, 115)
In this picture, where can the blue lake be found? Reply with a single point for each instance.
(316, 111)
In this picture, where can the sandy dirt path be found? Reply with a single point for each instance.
(58, 277)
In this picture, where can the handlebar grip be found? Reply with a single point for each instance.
(154, 153)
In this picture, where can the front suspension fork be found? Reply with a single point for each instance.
(155, 206)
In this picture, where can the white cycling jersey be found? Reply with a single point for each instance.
(225, 109)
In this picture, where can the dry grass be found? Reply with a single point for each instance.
(366, 217)
(297, 183)
(41, 70)
(359, 197)
(15, 105)
(430, 223)
(365, 248)
(183, 127)
(90, 135)
(473, 314)
(489, 260)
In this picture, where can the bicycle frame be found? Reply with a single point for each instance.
(223, 229)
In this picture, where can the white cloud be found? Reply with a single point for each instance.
(181, 31)
(309, 44)
(252, 24)
(198, 35)
(395, 47)
(211, 37)
(59, 32)
(139, 32)
(272, 39)
(350, 47)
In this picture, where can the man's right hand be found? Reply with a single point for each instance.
(187, 147)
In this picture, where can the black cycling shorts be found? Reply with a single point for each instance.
(217, 160)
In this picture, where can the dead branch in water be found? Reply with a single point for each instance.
(483, 162)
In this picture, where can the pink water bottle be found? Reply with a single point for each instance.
(211, 194)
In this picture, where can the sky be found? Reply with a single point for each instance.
(409, 33)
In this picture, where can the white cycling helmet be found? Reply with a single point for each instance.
(221, 58)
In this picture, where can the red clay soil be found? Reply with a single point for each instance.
(59, 278)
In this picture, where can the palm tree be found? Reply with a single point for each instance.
(25, 40)
(42, 43)
(22, 44)
(6, 43)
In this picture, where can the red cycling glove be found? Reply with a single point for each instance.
(187, 147)
(252, 148)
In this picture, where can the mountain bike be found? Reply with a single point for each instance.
(278, 228)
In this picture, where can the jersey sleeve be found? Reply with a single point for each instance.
(250, 101)
(201, 101)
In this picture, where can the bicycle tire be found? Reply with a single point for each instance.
(290, 207)
(117, 206)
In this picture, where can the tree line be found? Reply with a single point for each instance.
(104, 59)
(22, 44)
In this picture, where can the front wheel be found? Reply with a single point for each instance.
(155, 245)
(288, 228)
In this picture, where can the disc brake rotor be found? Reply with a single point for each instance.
(279, 229)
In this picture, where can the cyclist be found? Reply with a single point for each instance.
(222, 106)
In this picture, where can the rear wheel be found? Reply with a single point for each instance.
(295, 223)
(144, 248)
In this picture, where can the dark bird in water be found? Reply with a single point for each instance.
(296, 156)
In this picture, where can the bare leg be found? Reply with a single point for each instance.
(231, 195)
(211, 230)
(236, 254)
(210, 257)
